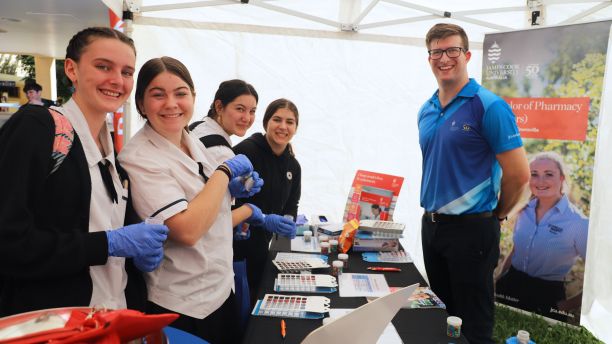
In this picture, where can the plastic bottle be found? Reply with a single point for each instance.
(522, 337)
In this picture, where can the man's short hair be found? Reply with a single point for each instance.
(32, 86)
(444, 30)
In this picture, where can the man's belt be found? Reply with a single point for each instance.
(437, 217)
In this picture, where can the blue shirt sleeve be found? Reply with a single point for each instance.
(499, 127)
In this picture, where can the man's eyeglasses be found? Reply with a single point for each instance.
(452, 52)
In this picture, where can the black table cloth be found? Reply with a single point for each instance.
(413, 325)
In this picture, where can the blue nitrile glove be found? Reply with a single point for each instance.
(137, 240)
(241, 187)
(279, 224)
(257, 217)
(240, 166)
(149, 263)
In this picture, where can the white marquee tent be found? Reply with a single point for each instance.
(358, 72)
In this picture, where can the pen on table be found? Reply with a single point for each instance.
(380, 268)
(283, 328)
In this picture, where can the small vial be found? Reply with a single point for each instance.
(453, 327)
(154, 221)
(324, 247)
(323, 238)
(307, 236)
(248, 183)
(333, 246)
(344, 258)
(337, 268)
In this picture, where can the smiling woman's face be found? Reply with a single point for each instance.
(546, 180)
(168, 104)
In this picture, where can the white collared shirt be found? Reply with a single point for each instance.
(192, 280)
(109, 280)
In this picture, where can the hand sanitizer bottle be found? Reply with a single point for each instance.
(522, 337)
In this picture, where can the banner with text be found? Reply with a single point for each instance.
(552, 78)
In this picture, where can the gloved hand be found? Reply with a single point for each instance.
(279, 224)
(239, 165)
(257, 217)
(138, 240)
(241, 187)
(242, 231)
(149, 263)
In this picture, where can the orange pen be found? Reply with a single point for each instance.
(283, 328)
(378, 268)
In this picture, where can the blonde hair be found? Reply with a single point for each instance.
(558, 160)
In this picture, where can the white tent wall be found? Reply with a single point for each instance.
(597, 300)
(358, 103)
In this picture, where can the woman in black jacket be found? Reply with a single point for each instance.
(273, 157)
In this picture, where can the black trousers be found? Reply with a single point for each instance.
(460, 257)
(532, 294)
(221, 326)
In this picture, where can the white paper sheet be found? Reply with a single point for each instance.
(389, 335)
(363, 325)
(355, 285)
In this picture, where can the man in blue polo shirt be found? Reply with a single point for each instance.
(474, 171)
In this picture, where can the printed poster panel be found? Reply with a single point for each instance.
(553, 79)
(372, 196)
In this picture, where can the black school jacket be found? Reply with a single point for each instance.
(280, 193)
(46, 248)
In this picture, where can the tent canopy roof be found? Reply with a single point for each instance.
(43, 27)
(394, 21)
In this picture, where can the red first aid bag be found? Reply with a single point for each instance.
(83, 325)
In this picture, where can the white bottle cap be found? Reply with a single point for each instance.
(522, 336)
(337, 264)
(323, 238)
(342, 256)
(307, 233)
(454, 321)
(333, 242)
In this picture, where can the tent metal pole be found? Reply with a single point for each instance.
(263, 4)
(588, 12)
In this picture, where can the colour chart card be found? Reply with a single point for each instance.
(305, 283)
(299, 265)
(387, 257)
(292, 306)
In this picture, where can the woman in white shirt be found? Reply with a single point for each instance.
(174, 181)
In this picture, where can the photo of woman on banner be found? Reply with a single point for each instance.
(550, 234)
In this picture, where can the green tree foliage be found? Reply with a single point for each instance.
(8, 64)
(63, 84)
(584, 79)
(28, 66)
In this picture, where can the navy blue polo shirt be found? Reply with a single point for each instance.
(460, 172)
